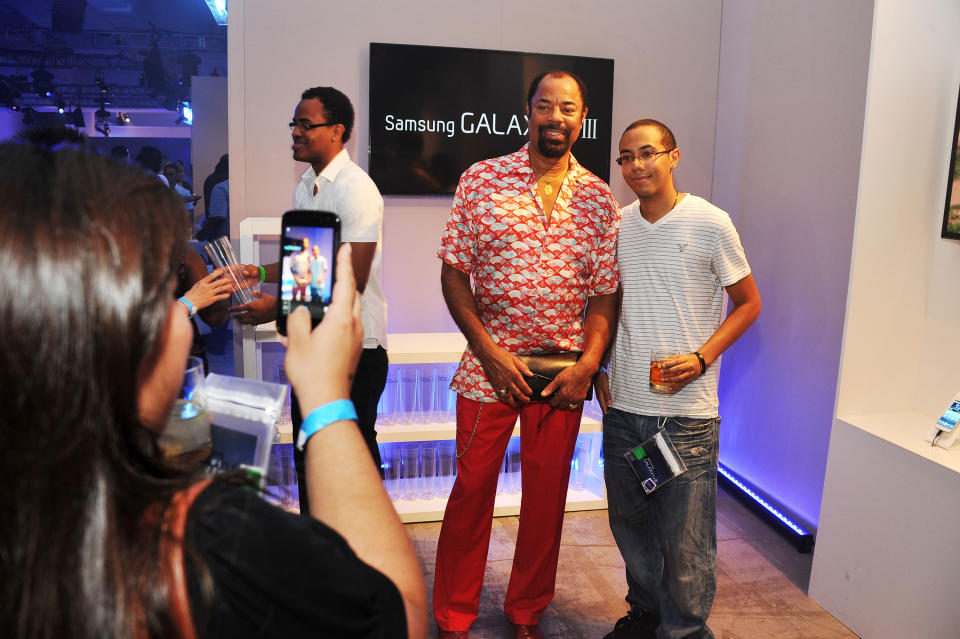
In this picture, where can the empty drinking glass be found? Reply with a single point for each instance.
(513, 471)
(409, 395)
(426, 385)
(392, 464)
(411, 471)
(428, 471)
(386, 408)
(578, 465)
(222, 255)
(447, 469)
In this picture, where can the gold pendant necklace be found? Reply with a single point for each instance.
(548, 188)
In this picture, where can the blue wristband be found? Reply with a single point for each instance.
(190, 307)
(322, 416)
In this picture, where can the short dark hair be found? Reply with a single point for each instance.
(150, 158)
(557, 73)
(666, 135)
(336, 107)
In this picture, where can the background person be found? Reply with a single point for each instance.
(322, 123)
(677, 253)
(216, 223)
(220, 173)
(92, 375)
(204, 294)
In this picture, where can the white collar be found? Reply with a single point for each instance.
(329, 172)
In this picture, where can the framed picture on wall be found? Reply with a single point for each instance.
(951, 213)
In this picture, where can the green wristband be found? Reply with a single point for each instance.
(263, 274)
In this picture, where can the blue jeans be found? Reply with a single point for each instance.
(668, 538)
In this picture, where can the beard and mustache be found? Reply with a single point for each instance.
(553, 148)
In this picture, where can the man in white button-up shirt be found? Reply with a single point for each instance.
(322, 123)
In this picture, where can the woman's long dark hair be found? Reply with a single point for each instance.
(88, 252)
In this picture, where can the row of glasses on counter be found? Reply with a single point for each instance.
(420, 394)
(427, 470)
(417, 393)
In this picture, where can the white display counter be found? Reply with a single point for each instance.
(885, 564)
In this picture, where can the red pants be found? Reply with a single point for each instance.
(546, 448)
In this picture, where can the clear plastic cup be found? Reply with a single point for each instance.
(578, 465)
(514, 483)
(428, 471)
(387, 414)
(392, 466)
(409, 395)
(188, 427)
(411, 471)
(426, 387)
(222, 255)
(446, 469)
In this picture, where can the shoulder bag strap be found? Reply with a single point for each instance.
(171, 556)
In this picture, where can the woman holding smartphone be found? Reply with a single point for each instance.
(93, 360)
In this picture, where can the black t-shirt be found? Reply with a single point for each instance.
(277, 574)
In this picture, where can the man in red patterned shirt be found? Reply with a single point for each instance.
(536, 232)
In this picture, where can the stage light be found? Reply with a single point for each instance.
(218, 8)
(42, 82)
(122, 118)
(185, 114)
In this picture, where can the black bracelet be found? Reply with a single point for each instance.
(703, 364)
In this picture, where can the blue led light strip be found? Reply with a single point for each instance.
(760, 500)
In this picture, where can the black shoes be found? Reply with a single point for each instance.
(635, 626)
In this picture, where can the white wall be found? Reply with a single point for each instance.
(793, 80)
(881, 564)
(209, 136)
(903, 315)
(776, 88)
(10, 124)
(665, 66)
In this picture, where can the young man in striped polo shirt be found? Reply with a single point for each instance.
(677, 254)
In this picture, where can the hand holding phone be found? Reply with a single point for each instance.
(336, 342)
(309, 241)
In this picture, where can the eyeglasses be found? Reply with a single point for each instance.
(644, 156)
(306, 126)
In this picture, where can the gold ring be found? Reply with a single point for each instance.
(572, 406)
(502, 392)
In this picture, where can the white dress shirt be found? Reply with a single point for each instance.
(344, 188)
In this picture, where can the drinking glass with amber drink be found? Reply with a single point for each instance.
(657, 382)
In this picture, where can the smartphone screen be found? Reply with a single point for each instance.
(950, 417)
(309, 242)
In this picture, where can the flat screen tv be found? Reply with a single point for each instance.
(951, 213)
(434, 111)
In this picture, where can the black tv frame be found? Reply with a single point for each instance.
(430, 165)
(953, 171)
